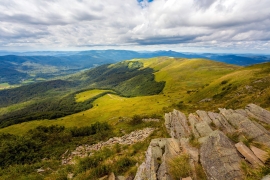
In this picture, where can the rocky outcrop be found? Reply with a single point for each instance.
(157, 155)
(219, 158)
(246, 126)
(176, 124)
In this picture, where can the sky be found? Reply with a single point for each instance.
(239, 26)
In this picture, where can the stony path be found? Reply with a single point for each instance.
(128, 139)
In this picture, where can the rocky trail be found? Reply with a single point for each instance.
(86, 150)
(220, 149)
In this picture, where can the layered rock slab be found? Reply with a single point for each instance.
(158, 153)
(221, 122)
(219, 158)
(261, 154)
(258, 113)
(176, 124)
(246, 126)
(248, 154)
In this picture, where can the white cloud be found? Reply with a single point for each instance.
(82, 23)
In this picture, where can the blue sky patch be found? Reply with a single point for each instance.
(147, 0)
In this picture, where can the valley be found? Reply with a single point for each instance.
(115, 95)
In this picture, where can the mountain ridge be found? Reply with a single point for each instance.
(60, 120)
(38, 66)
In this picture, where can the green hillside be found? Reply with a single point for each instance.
(137, 89)
(56, 99)
(189, 84)
(110, 97)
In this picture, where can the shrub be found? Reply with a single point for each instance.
(247, 141)
(224, 82)
(90, 130)
(136, 119)
(123, 164)
(193, 141)
(181, 105)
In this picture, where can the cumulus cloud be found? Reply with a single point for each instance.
(64, 24)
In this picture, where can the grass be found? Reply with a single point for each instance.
(179, 167)
(193, 141)
(83, 96)
(4, 86)
(28, 81)
(11, 108)
(251, 173)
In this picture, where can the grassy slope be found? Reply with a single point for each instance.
(247, 85)
(83, 96)
(181, 75)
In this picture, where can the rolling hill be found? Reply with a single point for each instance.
(18, 68)
(151, 86)
(55, 117)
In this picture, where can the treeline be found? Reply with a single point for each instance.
(48, 109)
(48, 142)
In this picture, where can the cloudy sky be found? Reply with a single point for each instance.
(183, 25)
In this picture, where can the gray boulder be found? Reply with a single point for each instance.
(258, 113)
(219, 158)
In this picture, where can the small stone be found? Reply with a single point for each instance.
(121, 178)
(70, 175)
(267, 177)
(104, 178)
(187, 178)
(111, 176)
(40, 170)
